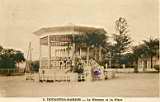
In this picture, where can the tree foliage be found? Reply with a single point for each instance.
(96, 39)
(151, 47)
(91, 39)
(122, 42)
(1, 48)
(19, 57)
(9, 58)
(148, 49)
(35, 65)
(121, 39)
(121, 26)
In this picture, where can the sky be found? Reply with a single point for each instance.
(20, 18)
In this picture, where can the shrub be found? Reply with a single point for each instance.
(157, 67)
(79, 68)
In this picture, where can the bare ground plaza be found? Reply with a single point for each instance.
(79, 48)
(124, 85)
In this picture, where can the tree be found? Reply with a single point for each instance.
(35, 65)
(97, 40)
(127, 59)
(19, 58)
(138, 52)
(1, 48)
(151, 47)
(121, 39)
(9, 58)
(79, 41)
(148, 49)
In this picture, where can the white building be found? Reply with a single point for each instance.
(57, 50)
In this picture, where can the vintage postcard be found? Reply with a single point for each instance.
(79, 48)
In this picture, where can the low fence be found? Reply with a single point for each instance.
(131, 70)
(7, 70)
(122, 70)
(10, 70)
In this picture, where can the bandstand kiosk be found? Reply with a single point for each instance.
(57, 51)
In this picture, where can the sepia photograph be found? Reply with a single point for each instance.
(79, 48)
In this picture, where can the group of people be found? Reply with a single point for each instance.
(97, 71)
(93, 69)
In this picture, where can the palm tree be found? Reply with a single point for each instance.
(79, 41)
(19, 57)
(138, 52)
(148, 49)
(97, 40)
(152, 47)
